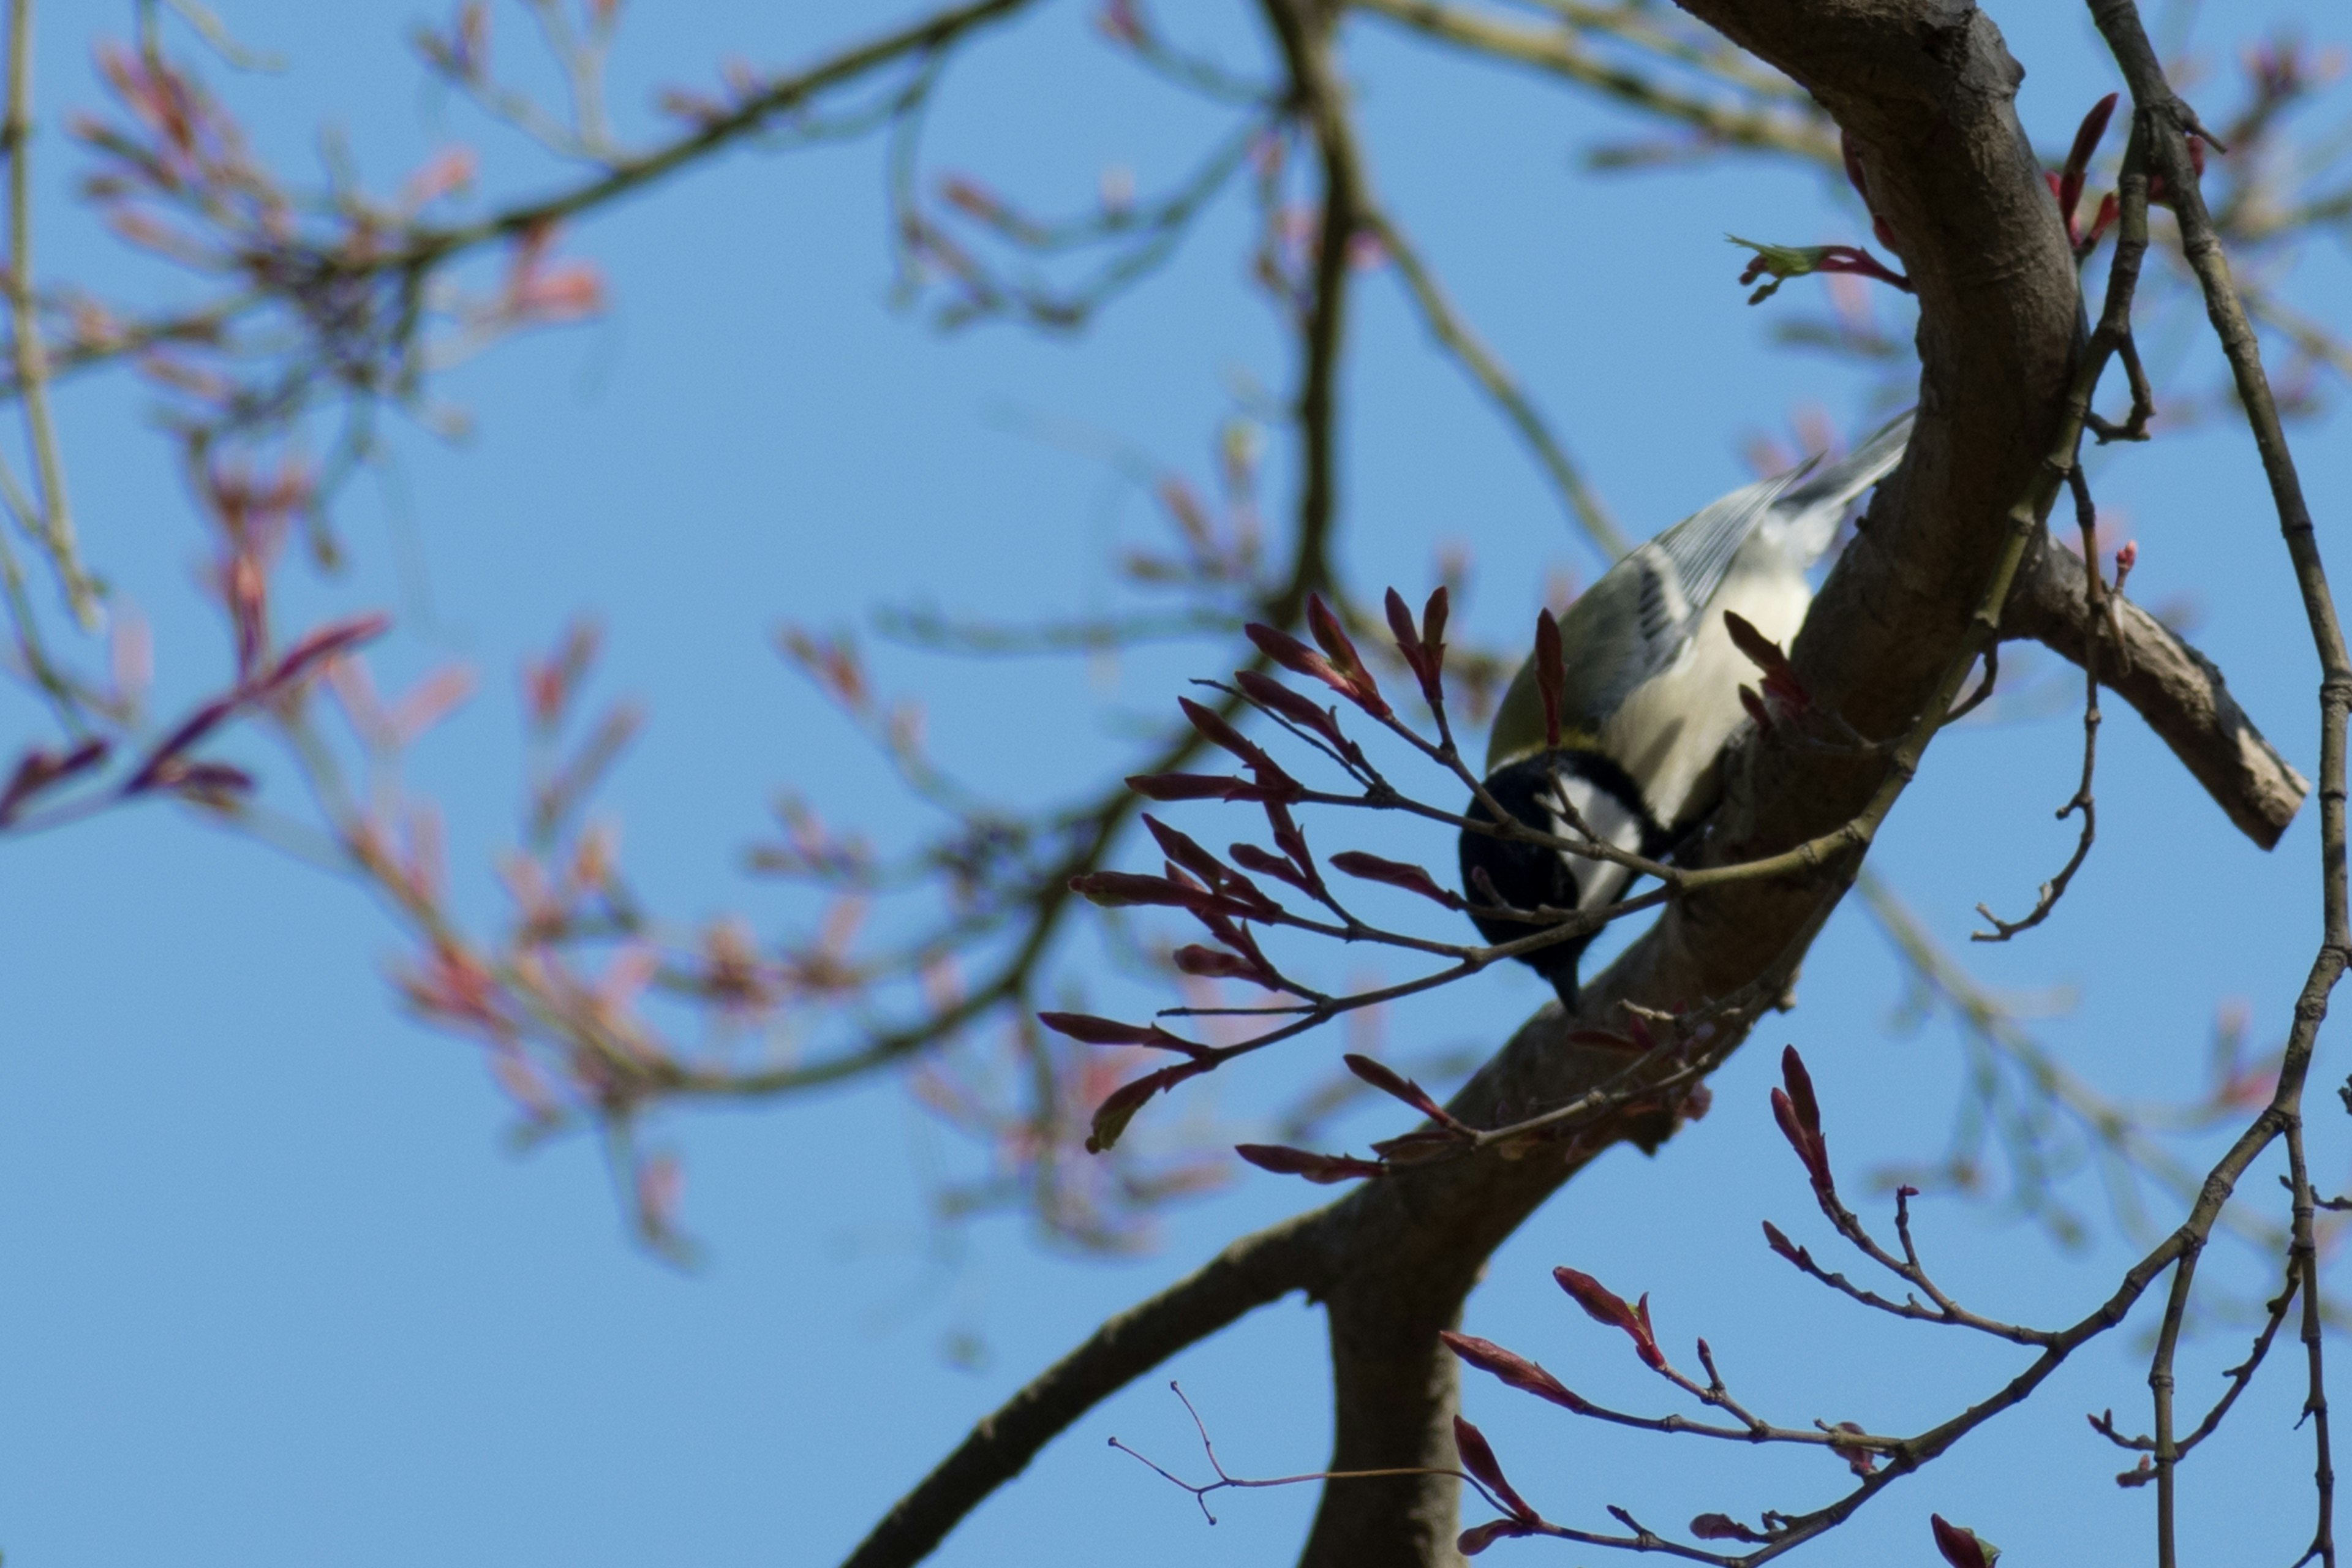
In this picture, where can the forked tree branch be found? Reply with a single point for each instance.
(2177, 689)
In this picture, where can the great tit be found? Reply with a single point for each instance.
(1651, 694)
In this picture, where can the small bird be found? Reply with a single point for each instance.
(1651, 695)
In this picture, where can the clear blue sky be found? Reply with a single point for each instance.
(278, 1294)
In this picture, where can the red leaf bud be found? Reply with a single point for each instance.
(1479, 1536)
(1800, 1089)
(318, 646)
(1605, 1306)
(1275, 697)
(1777, 1240)
(2078, 158)
(1269, 864)
(1291, 654)
(1218, 733)
(1111, 1117)
(1088, 1030)
(1216, 964)
(1478, 1458)
(38, 770)
(192, 728)
(1551, 676)
(1188, 786)
(1962, 1548)
(1389, 1081)
(1330, 637)
(1513, 1369)
(1421, 1147)
(1407, 639)
(1321, 1169)
(1396, 874)
(1186, 852)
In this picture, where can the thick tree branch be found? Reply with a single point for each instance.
(1248, 1274)
(1925, 92)
(2174, 687)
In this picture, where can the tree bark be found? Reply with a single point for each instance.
(1925, 89)
(2177, 689)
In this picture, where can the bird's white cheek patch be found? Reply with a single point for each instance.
(1612, 822)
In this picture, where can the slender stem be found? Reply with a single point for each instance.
(56, 528)
(2305, 1256)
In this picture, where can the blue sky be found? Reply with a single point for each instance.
(279, 1291)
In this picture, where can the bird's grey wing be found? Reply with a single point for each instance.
(1645, 608)
(1805, 517)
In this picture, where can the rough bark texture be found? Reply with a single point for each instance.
(1925, 89)
(2172, 686)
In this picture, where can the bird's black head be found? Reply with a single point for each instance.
(1530, 876)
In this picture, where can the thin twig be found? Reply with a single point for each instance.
(55, 515)
(2095, 598)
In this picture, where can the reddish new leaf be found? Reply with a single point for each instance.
(1120, 889)
(1321, 1169)
(1355, 683)
(1217, 732)
(1272, 781)
(1184, 786)
(1800, 1116)
(1417, 1147)
(38, 771)
(207, 783)
(1478, 1458)
(1775, 1239)
(1514, 1369)
(1389, 1081)
(1781, 686)
(1962, 1548)
(1396, 874)
(1269, 865)
(1551, 675)
(1800, 1089)
(1114, 1112)
(2110, 208)
(316, 648)
(2078, 159)
(1182, 850)
(1088, 1030)
(1294, 655)
(1433, 628)
(1604, 1305)
(1415, 652)
(1275, 697)
(192, 728)
(1479, 1536)
(1723, 1527)
(1292, 841)
(1216, 964)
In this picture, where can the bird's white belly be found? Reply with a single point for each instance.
(1671, 728)
(1613, 823)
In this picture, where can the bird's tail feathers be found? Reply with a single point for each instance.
(1806, 515)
